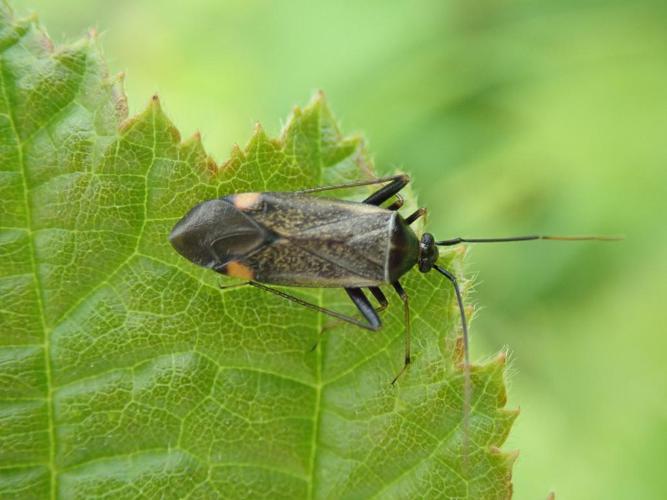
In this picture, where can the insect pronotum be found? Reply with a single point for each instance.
(296, 239)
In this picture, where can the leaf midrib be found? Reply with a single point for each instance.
(36, 283)
(38, 287)
(317, 412)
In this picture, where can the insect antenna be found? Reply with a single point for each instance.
(530, 237)
(467, 382)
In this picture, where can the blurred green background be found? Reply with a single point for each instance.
(513, 117)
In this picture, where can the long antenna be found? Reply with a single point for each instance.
(467, 382)
(456, 241)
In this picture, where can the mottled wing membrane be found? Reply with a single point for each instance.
(292, 214)
(322, 242)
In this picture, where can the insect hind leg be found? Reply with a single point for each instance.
(395, 184)
(372, 322)
(379, 296)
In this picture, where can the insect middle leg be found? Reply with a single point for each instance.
(398, 203)
(406, 317)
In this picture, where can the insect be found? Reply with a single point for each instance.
(296, 239)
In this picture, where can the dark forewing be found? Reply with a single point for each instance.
(319, 242)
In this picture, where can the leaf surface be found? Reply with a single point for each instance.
(125, 371)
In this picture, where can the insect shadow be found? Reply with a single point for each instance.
(296, 239)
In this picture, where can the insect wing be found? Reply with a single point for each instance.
(319, 241)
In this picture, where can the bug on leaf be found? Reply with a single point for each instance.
(296, 239)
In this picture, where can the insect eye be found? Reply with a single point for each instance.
(428, 252)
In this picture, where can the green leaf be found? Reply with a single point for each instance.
(125, 371)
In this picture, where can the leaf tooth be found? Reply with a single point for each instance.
(193, 147)
(236, 156)
(213, 166)
(236, 153)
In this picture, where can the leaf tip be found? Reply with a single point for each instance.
(155, 104)
(319, 97)
(317, 103)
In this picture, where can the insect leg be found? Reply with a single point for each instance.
(372, 320)
(365, 308)
(396, 182)
(406, 314)
(421, 212)
(233, 285)
(398, 203)
(379, 296)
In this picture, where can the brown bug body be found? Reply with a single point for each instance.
(298, 240)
